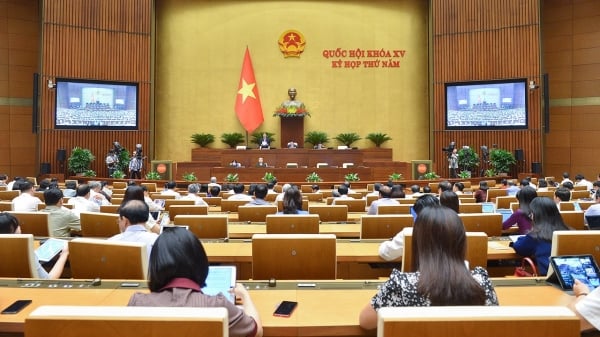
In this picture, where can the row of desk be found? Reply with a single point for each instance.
(327, 309)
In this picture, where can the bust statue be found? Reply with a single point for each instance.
(291, 106)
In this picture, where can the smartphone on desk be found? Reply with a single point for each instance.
(285, 309)
(16, 306)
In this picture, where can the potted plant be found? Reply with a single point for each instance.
(189, 176)
(316, 137)
(124, 158)
(347, 138)
(430, 176)
(313, 178)
(396, 176)
(80, 160)
(269, 177)
(464, 174)
(378, 138)
(256, 137)
(501, 160)
(203, 139)
(468, 159)
(351, 177)
(490, 173)
(118, 174)
(153, 175)
(232, 178)
(232, 139)
(89, 173)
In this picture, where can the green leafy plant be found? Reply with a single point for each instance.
(347, 138)
(396, 176)
(351, 177)
(153, 175)
(464, 174)
(430, 176)
(232, 139)
(269, 177)
(118, 174)
(501, 160)
(80, 160)
(313, 178)
(490, 173)
(203, 139)
(316, 137)
(124, 158)
(232, 178)
(256, 137)
(378, 138)
(189, 176)
(468, 159)
(89, 173)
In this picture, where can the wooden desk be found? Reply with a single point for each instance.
(328, 309)
(245, 231)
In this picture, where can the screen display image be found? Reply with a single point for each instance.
(498, 104)
(88, 104)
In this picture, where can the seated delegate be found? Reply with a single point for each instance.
(176, 275)
(441, 277)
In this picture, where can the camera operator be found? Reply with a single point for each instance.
(112, 161)
(453, 163)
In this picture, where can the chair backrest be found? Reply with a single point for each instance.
(547, 194)
(91, 258)
(575, 195)
(305, 189)
(354, 205)
(576, 243)
(477, 248)
(593, 222)
(9, 195)
(16, 252)
(35, 223)
(470, 208)
(171, 202)
(492, 193)
(330, 213)
(304, 205)
(575, 219)
(474, 321)
(213, 201)
(255, 213)
(313, 196)
(383, 226)
(100, 321)
(101, 225)
(298, 256)
(109, 208)
(566, 206)
(503, 202)
(232, 205)
(176, 210)
(394, 209)
(406, 201)
(150, 186)
(293, 224)
(114, 200)
(371, 198)
(585, 204)
(159, 195)
(490, 223)
(5, 206)
(205, 226)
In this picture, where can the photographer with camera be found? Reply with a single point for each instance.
(136, 163)
(112, 161)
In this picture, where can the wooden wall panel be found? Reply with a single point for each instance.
(101, 40)
(482, 40)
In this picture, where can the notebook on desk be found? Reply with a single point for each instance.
(568, 268)
(220, 279)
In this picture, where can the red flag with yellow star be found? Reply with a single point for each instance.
(247, 102)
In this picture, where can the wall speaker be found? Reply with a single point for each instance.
(519, 156)
(45, 168)
(61, 155)
(536, 167)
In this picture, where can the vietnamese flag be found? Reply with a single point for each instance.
(247, 102)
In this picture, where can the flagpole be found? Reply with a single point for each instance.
(246, 138)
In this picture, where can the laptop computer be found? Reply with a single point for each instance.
(568, 268)
(488, 207)
(221, 279)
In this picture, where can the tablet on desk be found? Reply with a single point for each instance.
(220, 279)
(567, 268)
(49, 249)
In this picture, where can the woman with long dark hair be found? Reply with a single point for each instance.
(538, 242)
(441, 277)
(292, 201)
(521, 216)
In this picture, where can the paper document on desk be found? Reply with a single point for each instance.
(514, 238)
(498, 246)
